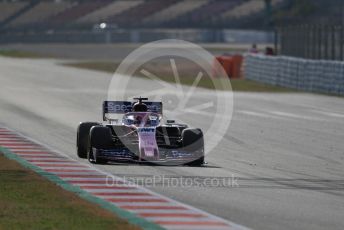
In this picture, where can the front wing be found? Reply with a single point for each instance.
(177, 156)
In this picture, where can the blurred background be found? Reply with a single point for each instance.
(316, 25)
(106, 31)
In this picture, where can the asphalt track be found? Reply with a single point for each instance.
(285, 151)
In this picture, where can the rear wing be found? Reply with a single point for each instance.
(122, 107)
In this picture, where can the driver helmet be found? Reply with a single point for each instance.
(140, 107)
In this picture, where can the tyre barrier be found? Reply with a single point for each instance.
(297, 73)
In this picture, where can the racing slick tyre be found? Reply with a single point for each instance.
(82, 138)
(100, 138)
(193, 142)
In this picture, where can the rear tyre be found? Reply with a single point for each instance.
(82, 138)
(100, 138)
(193, 142)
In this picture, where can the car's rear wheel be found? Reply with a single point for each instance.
(82, 138)
(100, 138)
(193, 142)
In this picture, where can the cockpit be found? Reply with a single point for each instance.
(141, 119)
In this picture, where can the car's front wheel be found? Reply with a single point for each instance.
(193, 142)
(82, 138)
(100, 138)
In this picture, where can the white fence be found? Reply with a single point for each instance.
(297, 73)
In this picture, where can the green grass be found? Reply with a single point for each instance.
(21, 54)
(100, 66)
(28, 201)
(166, 75)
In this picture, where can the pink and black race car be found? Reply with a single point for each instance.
(139, 136)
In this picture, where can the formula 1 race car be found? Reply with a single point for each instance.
(139, 136)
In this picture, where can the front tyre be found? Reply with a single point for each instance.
(82, 138)
(100, 138)
(193, 142)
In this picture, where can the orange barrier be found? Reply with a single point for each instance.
(230, 64)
